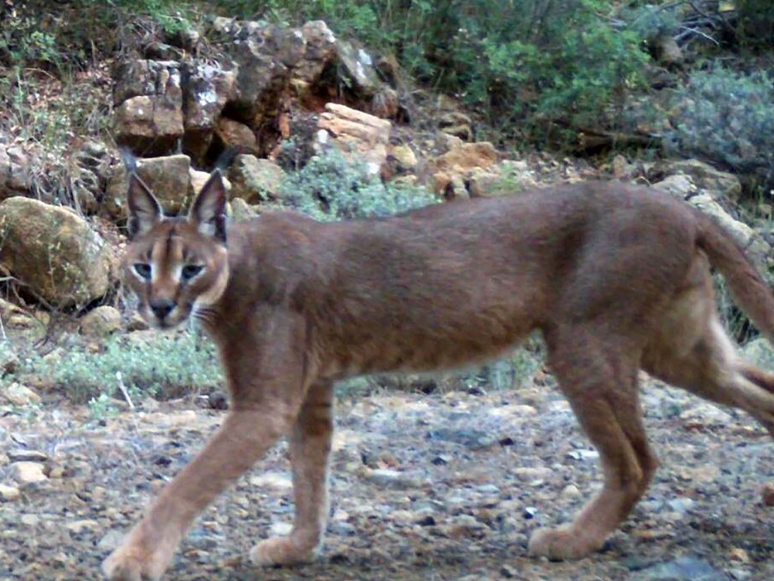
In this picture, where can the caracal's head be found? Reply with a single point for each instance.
(177, 267)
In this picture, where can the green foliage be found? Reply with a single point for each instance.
(330, 188)
(756, 22)
(162, 366)
(726, 116)
(536, 61)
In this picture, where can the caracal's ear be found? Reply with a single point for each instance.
(208, 212)
(144, 210)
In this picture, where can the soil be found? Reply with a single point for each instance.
(437, 487)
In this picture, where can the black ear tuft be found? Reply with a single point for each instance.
(144, 210)
(208, 211)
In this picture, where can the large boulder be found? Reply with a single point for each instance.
(168, 177)
(207, 90)
(54, 252)
(255, 180)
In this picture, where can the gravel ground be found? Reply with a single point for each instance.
(427, 487)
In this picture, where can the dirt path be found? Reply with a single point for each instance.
(435, 488)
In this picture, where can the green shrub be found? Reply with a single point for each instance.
(756, 22)
(726, 117)
(162, 366)
(329, 188)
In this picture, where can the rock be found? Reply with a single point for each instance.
(459, 162)
(54, 251)
(404, 156)
(570, 491)
(89, 167)
(255, 180)
(679, 185)
(241, 210)
(264, 55)
(357, 67)
(456, 124)
(15, 317)
(236, 135)
(27, 472)
(149, 105)
(385, 104)
(667, 51)
(168, 177)
(319, 52)
(717, 183)
(357, 135)
(14, 172)
(389, 478)
(208, 89)
(80, 526)
(9, 493)
(681, 569)
(145, 125)
(101, 322)
(27, 456)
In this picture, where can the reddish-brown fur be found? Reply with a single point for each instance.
(617, 279)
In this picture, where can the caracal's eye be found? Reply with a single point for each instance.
(143, 269)
(191, 271)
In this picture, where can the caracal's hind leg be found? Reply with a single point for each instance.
(310, 447)
(690, 349)
(712, 369)
(598, 374)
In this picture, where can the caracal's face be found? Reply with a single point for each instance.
(176, 267)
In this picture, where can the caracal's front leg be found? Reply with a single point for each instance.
(310, 447)
(242, 439)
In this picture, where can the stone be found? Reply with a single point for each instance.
(684, 568)
(456, 124)
(357, 67)
(264, 56)
(14, 172)
(80, 526)
(149, 105)
(235, 135)
(9, 493)
(27, 456)
(146, 124)
(319, 51)
(15, 317)
(679, 185)
(168, 177)
(388, 478)
(208, 89)
(358, 135)
(459, 162)
(241, 210)
(667, 51)
(101, 322)
(255, 180)
(54, 252)
(27, 472)
(404, 156)
(717, 183)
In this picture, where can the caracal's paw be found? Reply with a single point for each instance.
(562, 543)
(132, 563)
(281, 551)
